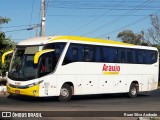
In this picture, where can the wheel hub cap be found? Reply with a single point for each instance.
(64, 92)
(133, 91)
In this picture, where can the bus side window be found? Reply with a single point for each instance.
(58, 50)
(88, 54)
(113, 55)
(80, 53)
(110, 54)
(46, 65)
(122, 55)
(106, 54)
(74, 54)
(151, 57)
(141, 57)
(98, 54)
(134, 60)
(50, 64)
(154, 57)
(68, 56)
(43, 66)
(129, 55)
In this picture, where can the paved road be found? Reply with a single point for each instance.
(116, 102)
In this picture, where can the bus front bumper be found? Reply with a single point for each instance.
(32, 91)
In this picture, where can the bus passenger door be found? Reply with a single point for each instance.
(46, 67)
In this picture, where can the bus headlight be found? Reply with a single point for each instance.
(31, 85)
(34, 84)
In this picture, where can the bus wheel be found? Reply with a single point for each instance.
(65, 93)
(133, 91)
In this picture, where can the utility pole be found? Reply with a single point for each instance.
(43, 18)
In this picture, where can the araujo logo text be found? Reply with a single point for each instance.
(109, 69)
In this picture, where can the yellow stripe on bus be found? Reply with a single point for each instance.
(110, 73)
(6, 53)
(38, 54)
(77, 38)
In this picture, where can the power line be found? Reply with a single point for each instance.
(39, 12)
(47, 3)
(30, 28)
(100, 15)
(18, 26)
(31, 15)
(91, 15)
(31, 12)
(103, 4)
(97, 4)
(94, 8)
(71, 27)
(16, 30)
(130, 24)
(119, 18)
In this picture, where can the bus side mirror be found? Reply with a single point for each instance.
(38, 54)
(5, 54)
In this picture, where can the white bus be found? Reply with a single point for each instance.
(64, 66)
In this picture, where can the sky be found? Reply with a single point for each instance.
(88, 18)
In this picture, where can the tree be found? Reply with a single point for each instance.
(4, 20)
(128, 36)
(153, 33)
(5, 45)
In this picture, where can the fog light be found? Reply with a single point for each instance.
(34, 92)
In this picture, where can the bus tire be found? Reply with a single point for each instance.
(133, 91)
(65, 93)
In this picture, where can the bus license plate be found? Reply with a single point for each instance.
(17, 92)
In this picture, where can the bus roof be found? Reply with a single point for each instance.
(35, 41)
(77, 39)
(50, 39)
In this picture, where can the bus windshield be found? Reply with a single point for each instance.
(22, 65)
